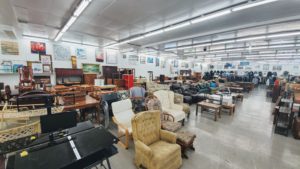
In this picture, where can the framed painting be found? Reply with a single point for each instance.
(6, 67)
(81, 53)
(99, 55)
(133, 59)
(143, 60)
(16, 67)
(46, 59)
(91, 68)
(111, 56)
(37, 68)
(61, 52)
(150, 59)
(157, 62)
(46, 68)
(74, 62)
(38, 47)
(9, 48)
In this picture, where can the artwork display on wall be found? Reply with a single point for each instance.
(9, 48)
(266, 67)
(150, 59)
(157, 62)
(143, 60)
(16, 67)
(175, 63)
(163, 63)
(133, 59)
(61, 52)
(38, 47)
(111, 56)
(244, 63)
(74, 62)
(91, 68)
(46, 68)
(99, 55)
(81, 53)
(46, 59)
(37, 68)
(277, 67)
(6, 67)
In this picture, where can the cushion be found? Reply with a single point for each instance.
(164, 153)
(185, 137)
(177, 114)
(170, 126)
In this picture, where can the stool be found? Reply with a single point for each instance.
(186, 141)
(231, 108)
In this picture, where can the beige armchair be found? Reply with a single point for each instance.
(154, 148)
(168, 105)
(178, 99)
(123, 113)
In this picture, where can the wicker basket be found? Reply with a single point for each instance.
(19, 132)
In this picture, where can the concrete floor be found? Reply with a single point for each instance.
(243, 141)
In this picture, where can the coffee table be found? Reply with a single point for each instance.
(207, 105)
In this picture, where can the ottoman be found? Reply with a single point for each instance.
(186, 141)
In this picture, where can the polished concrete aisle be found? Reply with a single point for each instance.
(243, 141)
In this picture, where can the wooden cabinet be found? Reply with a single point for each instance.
(89, 78)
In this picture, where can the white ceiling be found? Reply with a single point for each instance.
(107, 21)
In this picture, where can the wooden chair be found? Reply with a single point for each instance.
(122, 114)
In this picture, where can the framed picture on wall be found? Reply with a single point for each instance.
(46, 68)
(16, 67)
(157, 62)
(99, 54)
(37, 68)
(81, 53)
(143, 60)
(111, 56)
(74, 62)
(91, 68)
(150, 59)
(46, 59)
(38, 47)
(61, 52)
(6, 67)
(9, 48)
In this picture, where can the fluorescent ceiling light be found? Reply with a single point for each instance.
(282, 46)
(223, 42)
(59, 35)
(177, 26)
(283, 34)
(83, 4)
(211, 16)
(251, 38)
(154, 33)
(133, 39)
(253, 4)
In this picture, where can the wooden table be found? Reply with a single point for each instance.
(231, 108)
(208, 105)
(236, 89)
(105, 87)
(88, 102)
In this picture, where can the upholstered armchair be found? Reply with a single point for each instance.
(168, 105)
(154, 148)
(178, 99)
(122, 114)
(167, 120)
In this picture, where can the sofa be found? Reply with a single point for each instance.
(154, 148)
(166, 98)
(152, 86)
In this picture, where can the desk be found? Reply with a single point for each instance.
(88, 102)
(216, 108)
(105, 87)
(93, 145)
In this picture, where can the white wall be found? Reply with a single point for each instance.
(26, 55)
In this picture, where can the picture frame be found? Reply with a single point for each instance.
(111, 57)
(142, 60)
(9, 48)
(61, 52)
(81, 53)
(99, 55)
(6, 67)
(88, 68)
(37, 68)
(150, 59)
(16, 67)
(38, 47)
(46, 68)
